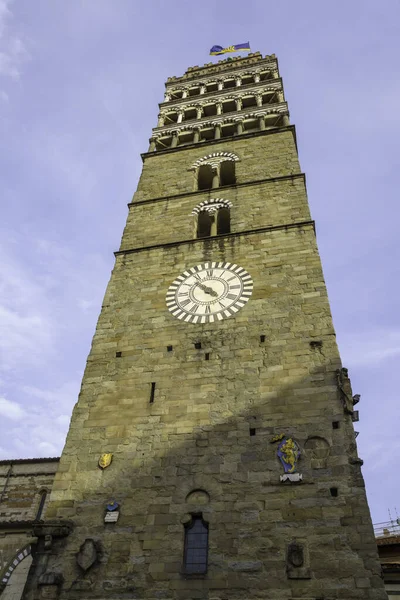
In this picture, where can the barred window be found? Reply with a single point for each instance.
(196, 546)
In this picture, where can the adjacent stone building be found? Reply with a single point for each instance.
(25, 487)
(212, 454)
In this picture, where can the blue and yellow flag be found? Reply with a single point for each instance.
(215, 50)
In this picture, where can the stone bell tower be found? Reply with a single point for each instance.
(212, 454)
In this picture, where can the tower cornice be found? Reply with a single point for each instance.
(217, 237)
(214, 142)
(223, 189)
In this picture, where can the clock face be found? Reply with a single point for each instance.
(209, 292)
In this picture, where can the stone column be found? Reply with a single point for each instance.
(261, 122)
(259, 99)
(196, 135)
(202, 89)
(220, 85)
(167, 97)
(217, 131)
(152, 146)
(219, 108)
(185, 94)
(286, 120)
(238, 81)
(238, 103)
(215, 179)
(240, 127)
(279, 96)
(275, 74)
(161, 120)
(213, 217)
(199, 111)
(180, 117)
(256, 77)
(174, 142)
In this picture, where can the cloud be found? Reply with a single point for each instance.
(11, 410)
(369, 348)
(40, 429)
(12, 48)
(26, 328)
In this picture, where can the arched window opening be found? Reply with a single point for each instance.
(228, 130)
(265, 75)
(247, 79)
(227, 173)
(223, 221)
(43, 496)
(190, 113)
(269, 98)
(204, 223)
(212, 87)
(205, 177)
(229, 106)
(176, 94)
(186, 138)
(207, 134)
(209, 110)
(251, 125)
(249, 101)
(229, 83)
(196, 546)
(163, 143)
(195, 91)
(171, 117)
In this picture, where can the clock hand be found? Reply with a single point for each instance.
(207, 289)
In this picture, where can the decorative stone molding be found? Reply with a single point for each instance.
(211, 206)
(13, 564)
(219, 95)
(214, 160)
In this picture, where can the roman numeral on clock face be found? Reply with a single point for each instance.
(231, 296)
(209, 273)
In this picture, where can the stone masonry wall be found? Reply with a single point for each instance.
(279, 201)
(20, 489)
(261, 156)
(196, 436)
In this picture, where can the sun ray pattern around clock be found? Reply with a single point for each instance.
(209, 292)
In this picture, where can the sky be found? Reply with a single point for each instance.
(79, 86)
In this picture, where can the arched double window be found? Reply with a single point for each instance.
(215, 170)
(213, 217)
(196, 546)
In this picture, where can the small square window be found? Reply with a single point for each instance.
(118, 354)
(197, 345)
(169, 348)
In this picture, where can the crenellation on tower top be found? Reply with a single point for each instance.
(226, 64)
